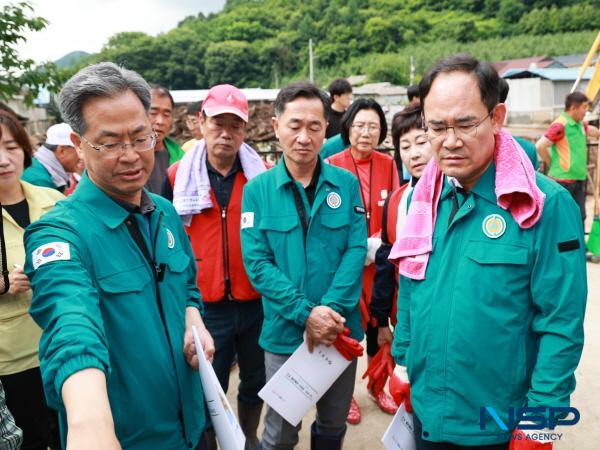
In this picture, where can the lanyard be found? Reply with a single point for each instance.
(300, 208)
(367, 209)
(455, 206)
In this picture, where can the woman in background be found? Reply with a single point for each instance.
(22, 203)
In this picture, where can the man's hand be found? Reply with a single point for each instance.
(193, 318)
(18, 281)
(322, 326)
(384, 336)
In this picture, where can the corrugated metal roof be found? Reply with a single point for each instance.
(525, 63)
(569, 74)
(252, 94)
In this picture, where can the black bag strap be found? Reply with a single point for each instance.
(4, 284)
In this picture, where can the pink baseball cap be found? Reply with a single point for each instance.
(223, 99)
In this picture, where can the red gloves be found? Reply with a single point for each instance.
(400, 388)
(348, 347)
(520, 441)
(379, 370)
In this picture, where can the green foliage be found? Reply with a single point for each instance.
(265, 42)
(579, 17)
(379, 67)
(232, 62)
(18, 75)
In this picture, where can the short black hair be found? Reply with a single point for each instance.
(352, 111)
(575, 98)
(412, 91)
(162, 91)
(339, 86)
(193, 108)
(404, 121)
(486, 75)
(301, 89)
(503, 90)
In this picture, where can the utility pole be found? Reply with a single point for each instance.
(412, 69)
(311, 70)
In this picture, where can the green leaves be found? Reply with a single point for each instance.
(18, 75)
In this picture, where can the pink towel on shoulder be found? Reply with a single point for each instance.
(516, 191)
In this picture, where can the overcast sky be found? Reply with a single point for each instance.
(87, 24)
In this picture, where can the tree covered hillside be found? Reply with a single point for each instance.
(254, 43)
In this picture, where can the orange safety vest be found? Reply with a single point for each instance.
(388, 234)
(215, 238)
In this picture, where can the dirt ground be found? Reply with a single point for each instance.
(583, 436)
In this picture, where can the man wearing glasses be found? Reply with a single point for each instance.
(206, 187)
(493, 287)
(115, 284)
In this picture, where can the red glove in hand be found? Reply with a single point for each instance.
(521, 441)
(348, 347)
(400, 388)
(379, 370)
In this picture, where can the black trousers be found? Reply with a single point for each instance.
(428, 445)
(577, 191)
(25, 400)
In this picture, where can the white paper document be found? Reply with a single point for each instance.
(302, 380)
(400, 435)
(228, 431)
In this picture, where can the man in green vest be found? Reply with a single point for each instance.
(167, 151)
(566, 139)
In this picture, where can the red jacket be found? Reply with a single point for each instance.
(215, 238)
(383, 181)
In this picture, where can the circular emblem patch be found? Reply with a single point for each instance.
(170, 239)
(494, 226)
(334, 201)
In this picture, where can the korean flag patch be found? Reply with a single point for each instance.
(53, 251)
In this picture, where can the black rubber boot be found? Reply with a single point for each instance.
(210, 439)
(323, 442)
(249, 419)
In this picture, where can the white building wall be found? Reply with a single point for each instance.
(524, 94)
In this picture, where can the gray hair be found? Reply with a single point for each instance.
(104, 79)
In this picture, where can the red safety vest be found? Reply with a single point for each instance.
(388, 234)
(215, 238)
(383, 181)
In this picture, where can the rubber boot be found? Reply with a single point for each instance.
(323, 442)
(249, 419)
(210, 439)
